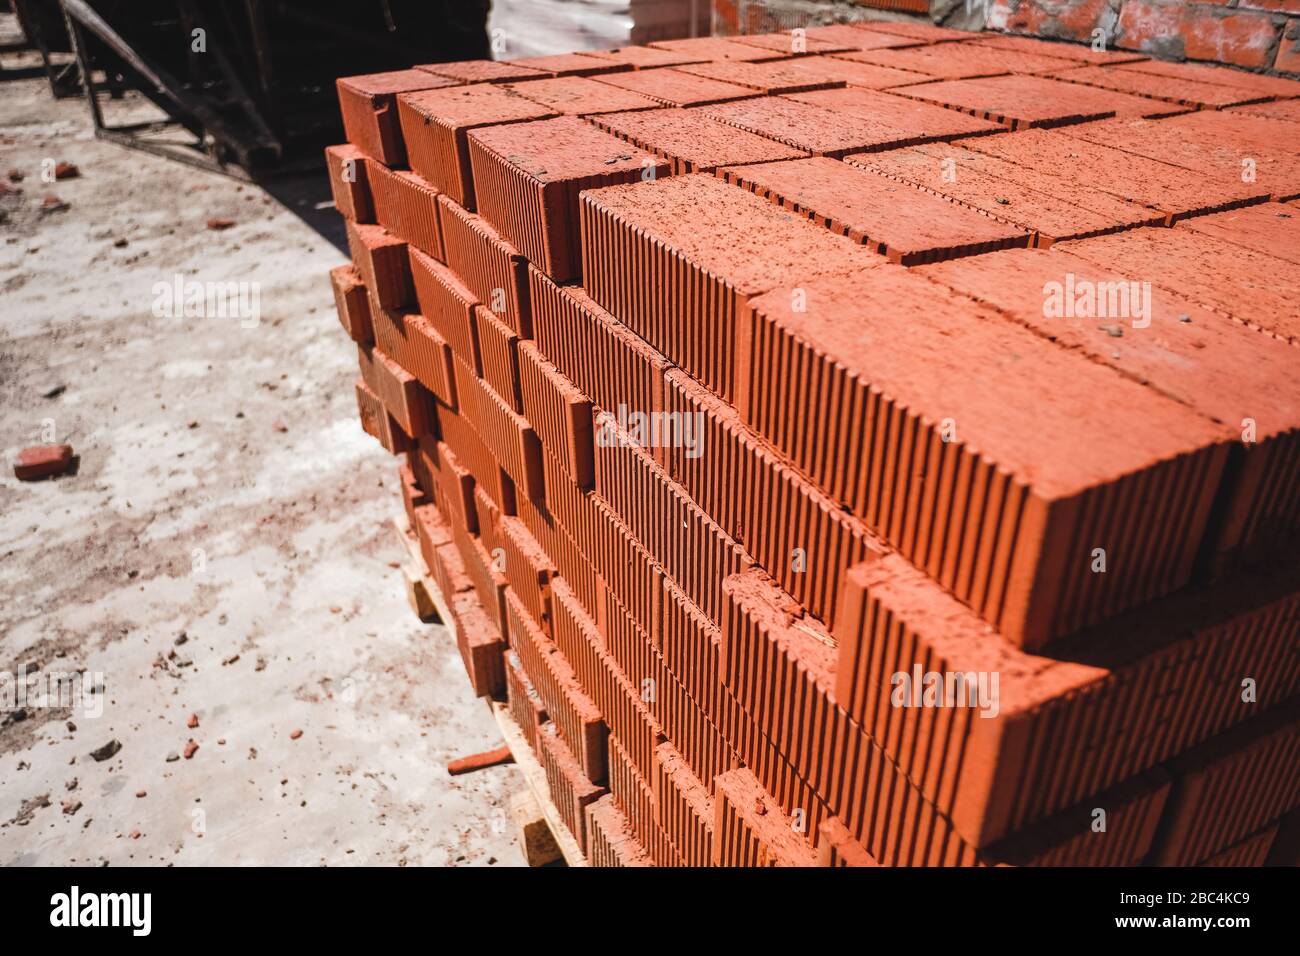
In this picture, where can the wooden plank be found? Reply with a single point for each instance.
(535, 776)
(527, 762)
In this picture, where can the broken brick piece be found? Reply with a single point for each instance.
(42, 461)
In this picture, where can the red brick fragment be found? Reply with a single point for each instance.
(42, 461)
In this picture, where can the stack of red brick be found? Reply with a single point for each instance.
(803, 503)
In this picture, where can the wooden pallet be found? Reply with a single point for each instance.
(542, 831)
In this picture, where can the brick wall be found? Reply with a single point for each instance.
(1261, 35)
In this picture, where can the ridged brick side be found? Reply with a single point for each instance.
(560, 413)
(462, 437)
(632, 793)
(526, 705)
(449, 306)
(529, 569)
(786, 524)
(681, 538)
(1251, 851)
(750, 830)
(988, 537)
(838, 848)
(570, 709)
(618, 261)
(600, 355)
(406, 399)
(610, 840)
(384, 264)
(490, 583)
(629, 571)
(1231, 787)
(352, 303)
(689, 644)
(504, 431)
(684, 807)
(1063, 728)
(499, 348)
(571, 791)
(487, 264)
(407, 206)
(349, 184)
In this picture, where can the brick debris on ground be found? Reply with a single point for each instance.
(766, 482)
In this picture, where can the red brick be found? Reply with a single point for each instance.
(645, 58)
(770, 78)
(568, 64)
(1013, 505)
(690, 141)
(1272, 228)
(455, 482)
(1067, 726)
(902, 223)
(860, 37)
(526, 706)
(377, 423)
(703, 247)
(610, 839)
(433, 532)
(1197, 31)
(913, 28)
(436, 125)
(42, 461)
(561, 414)
(490, 584)
(448, 306)
(1148, 182)
(957, 61)
(1079, 52)
(632, 793)
(796, 533)
(1051, 207)
(673, 87)
(483, 71)
(574, 714)
(1205, 73)
(1185, 92)
(1024, 102)
(1249, 851)
(899, 121)
(461, 436)
(504, 431)
(600, 355)
(576, 96)
(749, 828)
(419, 349)
(718, 49)
(1288, 49)
(369, 107)
(1287, 110)
(413, 496)
(814, 129)
(790, 43)
(348, 183)
(1254, 770)
(499, 348)
(406, 399)
(1062, 19)
(571, 792)
(407, 207)
(535, 172)
(681, 538)
(489, 266)
(529, 569)
(1220, 148)
(481, 645)
(1256, 289)
(684, 808)
(857, 73)
(352, 303)
(382, 260)
(839, 849)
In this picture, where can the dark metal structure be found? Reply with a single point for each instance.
(247, 84)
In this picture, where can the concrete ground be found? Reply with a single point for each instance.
(224, 550)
